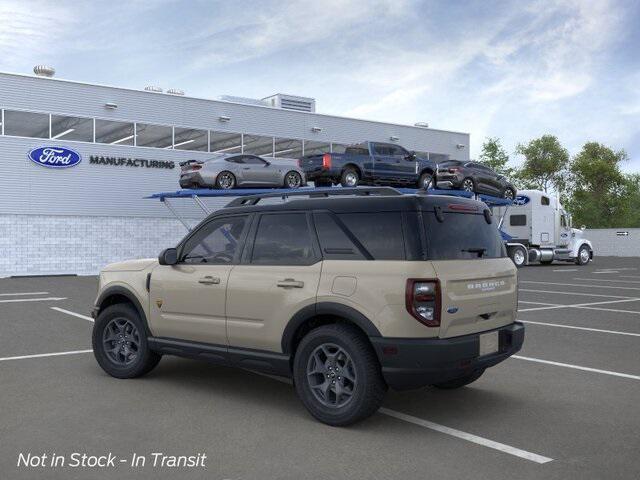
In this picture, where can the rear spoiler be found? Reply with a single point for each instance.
(182, 164)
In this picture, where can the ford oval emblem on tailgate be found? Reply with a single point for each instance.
(55, 157)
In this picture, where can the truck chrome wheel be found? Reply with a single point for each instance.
(351, 179)
(518, 257)
(121, 341)
(467, 185)
(331, 375)
(293, 180)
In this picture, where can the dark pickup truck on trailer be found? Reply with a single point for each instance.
(369, 163)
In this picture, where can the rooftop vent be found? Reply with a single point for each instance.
(175, 91)
(153, 88)
(44, 71)
(291, 102)
(421, 124)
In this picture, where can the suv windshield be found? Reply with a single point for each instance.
(462, 236)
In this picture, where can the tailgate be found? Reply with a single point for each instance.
(311, 163)
(477, 295)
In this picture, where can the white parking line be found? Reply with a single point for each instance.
(598, 330)
(23, 293)
(565, 270)
(469, 437)
(582, 305)
(443, 429)
(41, 355)
(607, 280)
(629, 276)
(580, 285)
(47, 299)
(607, 271)
(572, 293)
(73, 314)
(578, 367)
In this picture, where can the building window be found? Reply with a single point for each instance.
(316, 148)
(338, 148)
(190, 139)
(258, 145)
(156, 136)
(114, 133)
(71, 128)
(287, 148)
(222, 142)
(26, 124)
(517, 220)
(438, 157)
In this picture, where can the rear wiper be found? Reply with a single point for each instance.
(479, 251)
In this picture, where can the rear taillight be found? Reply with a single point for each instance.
(423, 301)
(299, 163)
(197, 166)
(453, 170)
(326, 161)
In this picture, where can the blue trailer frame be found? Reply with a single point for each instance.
(197, 194)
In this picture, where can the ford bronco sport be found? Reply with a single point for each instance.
(347, 295)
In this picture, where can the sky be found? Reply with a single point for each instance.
(509, 69)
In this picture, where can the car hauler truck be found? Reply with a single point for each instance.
(537, 228)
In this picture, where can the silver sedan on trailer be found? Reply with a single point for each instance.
(228, 171)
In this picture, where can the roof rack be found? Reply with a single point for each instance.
(315, 193)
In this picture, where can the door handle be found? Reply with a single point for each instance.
(247, 168)
(209, 280)
(290, 283)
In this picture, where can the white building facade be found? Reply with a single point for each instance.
(128, 144)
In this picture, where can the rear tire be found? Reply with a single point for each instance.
(337, 375)
(225, 180)
(460, 382)
(350, 177)
(509, 194)
(120, 343)
(468, 185)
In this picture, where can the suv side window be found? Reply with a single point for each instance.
(216, 242)
(283, 239)
(334, 240)
(380, 233)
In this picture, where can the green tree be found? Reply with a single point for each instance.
(545, 164)
(495, 157)
(600, 194)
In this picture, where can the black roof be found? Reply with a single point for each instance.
(349, 204)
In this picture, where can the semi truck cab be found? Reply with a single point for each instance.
(537, 229)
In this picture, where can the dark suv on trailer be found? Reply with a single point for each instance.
(473, 177)
(347, 295)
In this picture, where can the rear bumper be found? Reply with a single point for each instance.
(189, 179)
(448, 181)
(322, 174)
(409, 363)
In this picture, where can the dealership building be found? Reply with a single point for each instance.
(120, 145)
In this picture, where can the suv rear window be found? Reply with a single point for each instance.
(462, 236)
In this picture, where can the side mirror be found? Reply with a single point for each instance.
(267, 163)
(169, 256)
(410, 156)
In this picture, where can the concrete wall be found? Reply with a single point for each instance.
(608, 242)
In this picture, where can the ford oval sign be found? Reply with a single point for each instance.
(521, 200)
(55, 157)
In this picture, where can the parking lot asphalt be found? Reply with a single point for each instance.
(567, 406)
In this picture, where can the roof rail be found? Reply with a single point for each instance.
(316, 193)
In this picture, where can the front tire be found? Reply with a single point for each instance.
(292, 179)
(225, 180)
(349, 178)
(460, 382)
(337, 375)
(518, 256)
(584, 255)
(120, 343)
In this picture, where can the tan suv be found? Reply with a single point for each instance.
(348, 294)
